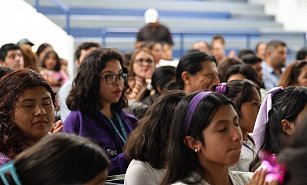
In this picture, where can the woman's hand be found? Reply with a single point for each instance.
(259, 178)
(136, 91)
(57, 127)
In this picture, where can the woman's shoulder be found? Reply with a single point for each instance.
(128, 117)
(73, 115)
(140, 172)
(73, 121)
(138, 165)
(143, 165)
(194, 178)
(240, 178)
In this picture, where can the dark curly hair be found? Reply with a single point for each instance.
(12, 86)
(84, 94)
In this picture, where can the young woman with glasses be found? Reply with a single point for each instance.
(96, 100)
(142, 66)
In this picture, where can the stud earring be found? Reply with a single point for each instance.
(196, 150)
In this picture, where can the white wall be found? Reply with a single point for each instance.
(20, 20)
(259, 2)
(291, 13)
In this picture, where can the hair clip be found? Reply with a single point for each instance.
(9, 167)
(263, 117)
(221, 88)
(275, 170)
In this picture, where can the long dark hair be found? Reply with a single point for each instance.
(286, 104)
(61, 159)
(84, 94)
(12, 86)
(182, 161)
(148, 142)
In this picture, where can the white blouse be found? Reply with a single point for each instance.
(237, 178)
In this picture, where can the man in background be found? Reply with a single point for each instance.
(153, 30)
(11, 57)
(82, 50)
(275, 60)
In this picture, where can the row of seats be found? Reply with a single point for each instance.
(89, 19)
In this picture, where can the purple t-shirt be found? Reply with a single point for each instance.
(3, 159)
(98, 128)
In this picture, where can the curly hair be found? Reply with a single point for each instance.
(12, 86)
(84, 94)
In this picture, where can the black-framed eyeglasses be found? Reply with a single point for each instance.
(112, 78)
(149, 61)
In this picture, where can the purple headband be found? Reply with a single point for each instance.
(221, 88)
(263, 117)
(193, 104)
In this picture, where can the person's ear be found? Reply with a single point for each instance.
(192, 143)
(77, 63)
(287, 126)
(160, 90)
(186, 77)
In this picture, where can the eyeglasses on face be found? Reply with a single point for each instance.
(140, 61)
(112, 78)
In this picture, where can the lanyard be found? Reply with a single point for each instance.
(124, 136)
(246, 145)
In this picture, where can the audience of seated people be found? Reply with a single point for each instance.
(175, 141)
